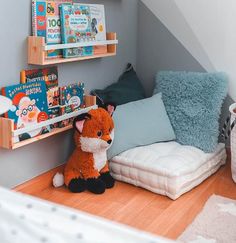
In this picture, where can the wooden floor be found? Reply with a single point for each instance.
(135, 206)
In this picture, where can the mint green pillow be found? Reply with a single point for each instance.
(140, 123)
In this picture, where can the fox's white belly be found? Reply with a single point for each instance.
(100, 160)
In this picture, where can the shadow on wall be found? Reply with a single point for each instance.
(159, 50)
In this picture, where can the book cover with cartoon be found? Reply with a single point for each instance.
(76, 27)
(50, 76)
(29, 106)
(98, 25)
(66, 109)
(72, 94)
(46, 22)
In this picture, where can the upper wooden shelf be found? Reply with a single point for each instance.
(37, 49)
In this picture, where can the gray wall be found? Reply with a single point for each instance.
(24, 163)
(158, 49)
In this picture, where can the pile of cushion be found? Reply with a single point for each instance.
(185, 108)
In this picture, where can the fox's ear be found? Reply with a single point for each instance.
(110, 108)
(78, 122)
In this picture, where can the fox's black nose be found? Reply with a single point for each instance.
(109, 141)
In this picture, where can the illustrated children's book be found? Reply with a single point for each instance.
(98, 26)
(65, 110)
(71, 99)
(50, 76)
(29, 106)
(72, 94)
(76, 27)
(53, 113)
(46, 22)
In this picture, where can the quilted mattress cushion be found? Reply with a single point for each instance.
(167, 168)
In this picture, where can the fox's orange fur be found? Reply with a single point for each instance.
(81, 164)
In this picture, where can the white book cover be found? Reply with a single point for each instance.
(98, 26)
(98, 22)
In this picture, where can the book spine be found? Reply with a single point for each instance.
(61, 95)
(3, 93)
(63, 34)
(34, 21)
(22, 77)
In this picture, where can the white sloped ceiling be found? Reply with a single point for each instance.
(206, 28)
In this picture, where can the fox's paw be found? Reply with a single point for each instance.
(96, 186)
(77, 185)
(108, 180)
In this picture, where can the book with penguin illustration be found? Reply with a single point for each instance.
(32, 103)
(98, 26)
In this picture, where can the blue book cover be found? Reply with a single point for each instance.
(76, 27)
(46, 22)
(29, 106)
(72, 94)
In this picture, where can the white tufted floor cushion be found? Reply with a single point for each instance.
(167, 168)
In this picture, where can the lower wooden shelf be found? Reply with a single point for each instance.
(8, 134)
(38, 138)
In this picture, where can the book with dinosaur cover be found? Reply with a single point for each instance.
(50, 76)
(29, 106)
(46, 22)
(76, 27)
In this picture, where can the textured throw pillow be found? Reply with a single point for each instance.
(127, 89)
(140, 123)
(193, 102)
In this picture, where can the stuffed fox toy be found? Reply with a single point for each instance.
(87, 168)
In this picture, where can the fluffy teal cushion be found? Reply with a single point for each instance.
(193, 102)
(140, 123)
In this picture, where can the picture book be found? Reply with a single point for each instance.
(50, 76)
(29, 106)
(46, 22)
(53, 97)
(98, 26)
(72, 94)
(65, 110)
(53, 113)
(76, 27)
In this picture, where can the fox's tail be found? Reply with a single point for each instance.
(58, 180)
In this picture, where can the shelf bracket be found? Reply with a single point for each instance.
(6, 129)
